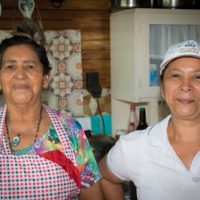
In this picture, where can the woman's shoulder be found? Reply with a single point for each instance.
(68, 120)
(64, 117)
(71, 125)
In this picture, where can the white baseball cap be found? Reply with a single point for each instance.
(183, 49)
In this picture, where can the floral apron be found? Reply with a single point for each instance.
(52, 175)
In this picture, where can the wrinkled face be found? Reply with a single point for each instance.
(21, 75)
(181, 87)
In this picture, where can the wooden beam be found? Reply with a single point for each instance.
(66, 4)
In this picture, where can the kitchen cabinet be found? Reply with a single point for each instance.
(136, 36)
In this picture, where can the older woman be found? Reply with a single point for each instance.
(43, 154)
(164, 160)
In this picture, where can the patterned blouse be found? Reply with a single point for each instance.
(66, 146)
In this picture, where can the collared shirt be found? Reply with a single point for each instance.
(147, 158)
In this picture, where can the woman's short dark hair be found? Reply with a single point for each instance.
(23, 40)
(162, 75)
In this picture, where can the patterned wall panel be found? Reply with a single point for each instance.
(64, 53)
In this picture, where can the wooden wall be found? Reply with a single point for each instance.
(91, 17)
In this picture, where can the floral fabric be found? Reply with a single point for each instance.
(50, 141)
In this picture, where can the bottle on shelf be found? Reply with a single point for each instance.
(141, 125)
(132, 120)
(142, 119)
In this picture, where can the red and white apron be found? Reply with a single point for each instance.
(52, 175)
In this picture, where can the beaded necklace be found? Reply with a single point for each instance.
(16, 139)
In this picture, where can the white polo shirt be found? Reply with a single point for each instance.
(147, 158)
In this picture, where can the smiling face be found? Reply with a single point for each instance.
(181, 87)
(21, 75)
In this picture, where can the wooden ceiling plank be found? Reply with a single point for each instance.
(66, 4)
